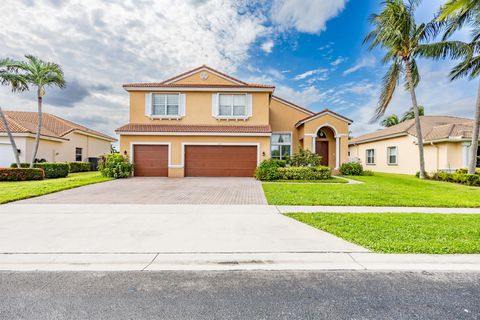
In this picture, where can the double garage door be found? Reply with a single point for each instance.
(199, 161)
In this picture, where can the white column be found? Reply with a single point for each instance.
(314, 140)
(465, 154)
(337, 152)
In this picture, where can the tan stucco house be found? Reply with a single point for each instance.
(446, 146)
(60, 140)
(206, 123)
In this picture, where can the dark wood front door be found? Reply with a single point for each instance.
(150, 160)
(220, 161)
(321, 148)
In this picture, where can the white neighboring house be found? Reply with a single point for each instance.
(394, 149)
(61, 140)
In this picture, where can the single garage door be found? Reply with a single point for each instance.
(220, 161)
(150, 160)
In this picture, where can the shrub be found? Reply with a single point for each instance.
(368, 173)
(459, 176)
(115, 165)
(351, 169)
(21, 174)
(79, 166)
(268, 170)
(304, 158)
(52, 169)
(304, 173)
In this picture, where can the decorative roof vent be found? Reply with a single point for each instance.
(203, 75)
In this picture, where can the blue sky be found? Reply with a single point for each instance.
(311, 50)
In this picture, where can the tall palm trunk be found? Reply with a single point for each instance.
(39, 126)
(418, 127)
(476, 126)
(10, 136)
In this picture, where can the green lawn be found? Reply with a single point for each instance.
(382, 189)
(331, 180)
(401, 232)
(11, 191)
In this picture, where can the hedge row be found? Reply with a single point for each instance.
(52, 169)
(21, 174)
(79, 166)
(459, 176)
(304, 173)
(272, 169)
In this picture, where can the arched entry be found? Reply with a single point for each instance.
(326, 143)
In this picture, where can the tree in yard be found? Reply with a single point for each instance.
(39, 74)
(456, 14)
(17, 83)
(390, 121)
(410, 114)
(396, 31)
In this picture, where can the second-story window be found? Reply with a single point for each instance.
(232, 105)
(165, 104)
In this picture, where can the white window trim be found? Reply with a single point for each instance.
(136, 143)
(374, 157)
(396, 156)
(282, 144)
(166, 116)
(242, 117)
(226, 144)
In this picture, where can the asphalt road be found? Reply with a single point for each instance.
(239, 295)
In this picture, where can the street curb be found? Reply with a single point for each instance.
(239, 261)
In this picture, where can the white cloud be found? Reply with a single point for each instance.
(103, 44)
(337, 61)
(310, 73)
(304, 97)
(364, 62)
(267, 46)
(305, 15)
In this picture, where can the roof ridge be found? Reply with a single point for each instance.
(294, 104)
(199, 68)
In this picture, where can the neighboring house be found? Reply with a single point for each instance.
(206, 123)
(60, 140)
(446, 146)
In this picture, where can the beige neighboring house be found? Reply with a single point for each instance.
(61, 140)
(446, 143)
(206, 123)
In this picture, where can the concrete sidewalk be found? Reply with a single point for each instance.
(239, 261)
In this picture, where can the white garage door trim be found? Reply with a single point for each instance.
(169, 144)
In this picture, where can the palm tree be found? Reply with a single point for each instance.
(396, 31)
(456, 14)
(17, 83)
(410, 114)
(39, 74)
(390, 121)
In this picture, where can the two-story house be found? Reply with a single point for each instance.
(206, 123)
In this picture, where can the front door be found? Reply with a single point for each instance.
(321, 148)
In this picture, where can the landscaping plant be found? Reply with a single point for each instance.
(115, 165)
(21, 174)
(351, 169)
(268, 170)
(79, 166)
(52, 169)
(304, 158)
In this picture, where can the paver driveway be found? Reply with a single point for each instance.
(155, 190)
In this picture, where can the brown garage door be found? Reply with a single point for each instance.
(220, 161)
(150, 160)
